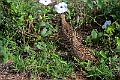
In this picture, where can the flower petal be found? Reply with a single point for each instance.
(45, 2)
(103, 26)
(61, 7)
(106, 24)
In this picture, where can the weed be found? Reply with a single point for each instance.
(25, 28)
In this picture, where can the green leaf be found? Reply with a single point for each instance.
(102, 60)
(118, 49)
(85, 0)
(118, 41)
(113, 16)
(42, 24)
(49, 25)
(103, 54)
(41, 46)
(48, 67)
(88, 39)
(94, 34)
(90, 4)
(39, 38)
(100, 34)
(99, 3)
(110, 30)
(89, 64)
(104, 1)
(48, 33)
(117, 26)
(30, 17)
(9, 1)
(43, 32)
(63, 62)
(54, 56)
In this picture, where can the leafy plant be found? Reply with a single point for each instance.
(44, 62)
(105, 69)
(25, 28)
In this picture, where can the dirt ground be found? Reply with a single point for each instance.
(6, 73)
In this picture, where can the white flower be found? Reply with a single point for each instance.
(106, 24)
(45, 2)
(61, 7)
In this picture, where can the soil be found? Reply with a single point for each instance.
(7, 73)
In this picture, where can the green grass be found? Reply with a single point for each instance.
(26, 28)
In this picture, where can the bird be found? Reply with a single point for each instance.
(68, 34)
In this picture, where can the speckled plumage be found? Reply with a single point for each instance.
(68, 34)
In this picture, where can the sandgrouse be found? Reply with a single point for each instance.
(68, 34)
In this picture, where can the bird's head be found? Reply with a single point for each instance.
(62, 16)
